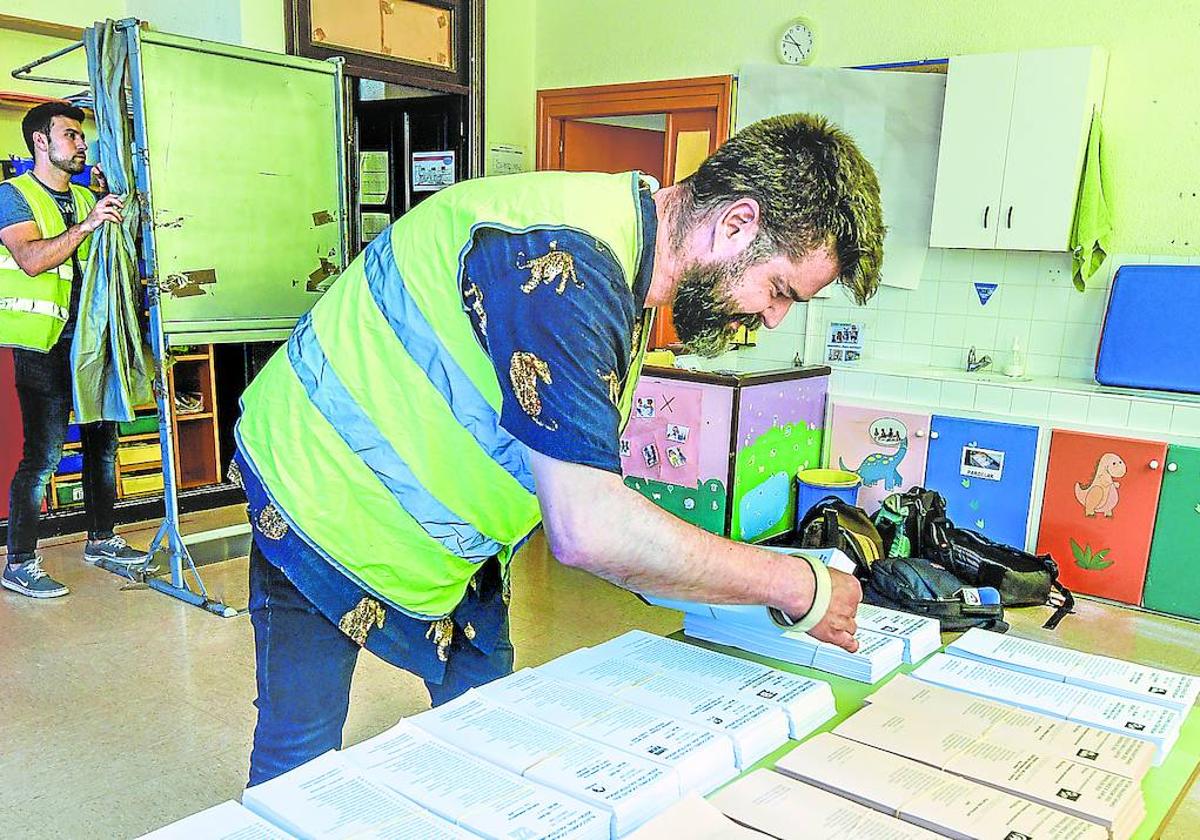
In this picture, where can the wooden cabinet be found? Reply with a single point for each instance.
(1014, 134)
(1171, 576)
(886, 448)
(1099, 509)
(984, 469)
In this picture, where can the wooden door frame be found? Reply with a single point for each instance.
(554, 106)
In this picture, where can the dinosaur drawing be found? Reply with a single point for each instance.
(881, 466)
(1101, 495)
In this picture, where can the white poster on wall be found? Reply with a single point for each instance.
(896, 120)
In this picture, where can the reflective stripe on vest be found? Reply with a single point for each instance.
(34, 310)
(376, 432)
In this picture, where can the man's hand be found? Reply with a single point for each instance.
(99, 184)
(838, 626)
(107, 209)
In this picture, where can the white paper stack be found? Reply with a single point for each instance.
(921, 635)
(1101, 673)
(330, 799)
(472, 793)
(876, 657)
(906, 703)
(789, 809)
(757, 728)
(630, 788)
(703, 759)
(925, 796)
(227, 821)
(808, 703)
(1145, 721)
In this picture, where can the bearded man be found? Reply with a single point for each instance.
(468, 377)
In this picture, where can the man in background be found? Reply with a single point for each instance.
(46, 226)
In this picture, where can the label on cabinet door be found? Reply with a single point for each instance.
(978, 462)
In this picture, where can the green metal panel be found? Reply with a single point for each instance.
(1171, 581)
(246, 182)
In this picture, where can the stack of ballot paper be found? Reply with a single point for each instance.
(920, 634)
(1157, 725)
(1009, 759)
(750, 628)
(808, 703)
(702, 759)
(472, 793)
(756, 727)
(631, 789)
(949, 805)
(330, 799)
(782, 807)
(1101, 673)
(227, 821)
(907, 710)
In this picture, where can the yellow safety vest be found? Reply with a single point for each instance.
(376, 431)
(34, 310)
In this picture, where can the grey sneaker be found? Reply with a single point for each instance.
(30, 579)
(114, 550)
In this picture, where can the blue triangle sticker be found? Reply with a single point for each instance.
(985, 292)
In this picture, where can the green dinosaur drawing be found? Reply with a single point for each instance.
(979, 523)
(973, 504)
(966, 482)
(1092, 561)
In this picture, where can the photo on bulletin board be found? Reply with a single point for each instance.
(432, 171)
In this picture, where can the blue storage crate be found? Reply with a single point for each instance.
(73, 433)
(71, 464)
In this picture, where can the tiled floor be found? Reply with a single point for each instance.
(124, 710)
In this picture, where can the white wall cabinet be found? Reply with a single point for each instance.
(1014, 135)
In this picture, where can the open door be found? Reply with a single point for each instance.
(665, 129)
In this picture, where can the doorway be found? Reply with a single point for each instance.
(665, 129)
(407, 143)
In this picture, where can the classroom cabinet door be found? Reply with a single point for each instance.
(1098, 511)
(886, 448)
(1171, 577)
(970, 173)
(985, 471)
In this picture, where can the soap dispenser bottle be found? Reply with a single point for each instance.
(1016, 360)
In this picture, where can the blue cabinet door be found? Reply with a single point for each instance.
(985, 471)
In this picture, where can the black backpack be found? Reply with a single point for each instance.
(1021, 578)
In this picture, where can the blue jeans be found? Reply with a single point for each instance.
(303, 668)
(44, 391)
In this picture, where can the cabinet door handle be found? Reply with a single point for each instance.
(920, 433)
(934, 435)
(986, 210)
(1154, 465)
(1172, 467)
(1009, 217)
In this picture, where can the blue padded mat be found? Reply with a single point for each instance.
(1151, 334)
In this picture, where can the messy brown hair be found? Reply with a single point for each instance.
(814, 189)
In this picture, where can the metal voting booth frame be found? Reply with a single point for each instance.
(169, 537)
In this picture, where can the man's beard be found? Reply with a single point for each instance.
(71, 165)
(706, 319)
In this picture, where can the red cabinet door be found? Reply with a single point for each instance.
(1098, 511)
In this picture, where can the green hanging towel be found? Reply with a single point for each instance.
(1091, 232)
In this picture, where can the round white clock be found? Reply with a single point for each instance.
(797, 43)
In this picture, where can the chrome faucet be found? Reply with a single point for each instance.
(975, 363)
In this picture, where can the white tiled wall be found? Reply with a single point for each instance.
(934, 325)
